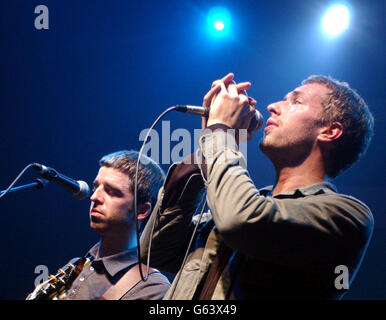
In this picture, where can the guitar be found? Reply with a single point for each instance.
(55, 287)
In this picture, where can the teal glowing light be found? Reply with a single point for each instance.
(219, 22)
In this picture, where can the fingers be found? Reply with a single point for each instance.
(252, 102)
(227, 86)
(232, 89)
(242, 86)
(243, 100)
(227, 79)
(232, 85)
(211, 93)
(224, 89)
(216, 87)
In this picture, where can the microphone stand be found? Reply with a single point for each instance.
(38, 184)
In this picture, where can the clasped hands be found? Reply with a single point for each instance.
(228, 104)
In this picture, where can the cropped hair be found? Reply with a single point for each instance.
(344, 105)
(150, 175)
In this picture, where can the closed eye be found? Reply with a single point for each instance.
(113, 191)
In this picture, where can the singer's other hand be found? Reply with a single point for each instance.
(216, 88)
(228, 104)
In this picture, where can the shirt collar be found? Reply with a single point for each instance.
(117, 262)
(322, 187)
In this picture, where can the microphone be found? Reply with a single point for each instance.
(79, 189)
(255, 124)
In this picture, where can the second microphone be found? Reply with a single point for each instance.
(255, 124)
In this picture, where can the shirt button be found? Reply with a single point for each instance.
(91, 268)
(81, 279)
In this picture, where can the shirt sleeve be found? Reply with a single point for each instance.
(172, 216)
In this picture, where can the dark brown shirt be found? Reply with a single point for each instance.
(102, 273)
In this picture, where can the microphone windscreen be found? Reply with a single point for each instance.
(84, 190)
(256, 122)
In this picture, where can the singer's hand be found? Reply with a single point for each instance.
(216, 88)
(229, 105)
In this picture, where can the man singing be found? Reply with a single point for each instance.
(280, 242)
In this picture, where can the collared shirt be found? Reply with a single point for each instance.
(317, 188)
(102, 273)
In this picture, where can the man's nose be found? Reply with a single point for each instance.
(96, 195)
(274, 108)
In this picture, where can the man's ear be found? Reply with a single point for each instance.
(144, 210)
(330, 132)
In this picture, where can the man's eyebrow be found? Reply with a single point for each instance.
(108, 185)
(293, 94)
(112, 186)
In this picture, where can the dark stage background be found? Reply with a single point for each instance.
(104, 70)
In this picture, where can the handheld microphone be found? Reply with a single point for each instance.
(79, 189)
(255, 124)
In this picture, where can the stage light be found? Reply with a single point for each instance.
(219, 22)
(336, 20)
(219, 25)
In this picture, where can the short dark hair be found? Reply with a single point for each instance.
(150, 175)
(344, 105)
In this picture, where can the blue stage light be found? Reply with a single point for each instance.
(219, 22)
(336, 20)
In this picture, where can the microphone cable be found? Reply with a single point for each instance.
(16, 179)
(187, 250)
(144, 278)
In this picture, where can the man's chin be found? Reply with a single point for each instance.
(263, 144)
(268, 149)
(96, 223)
